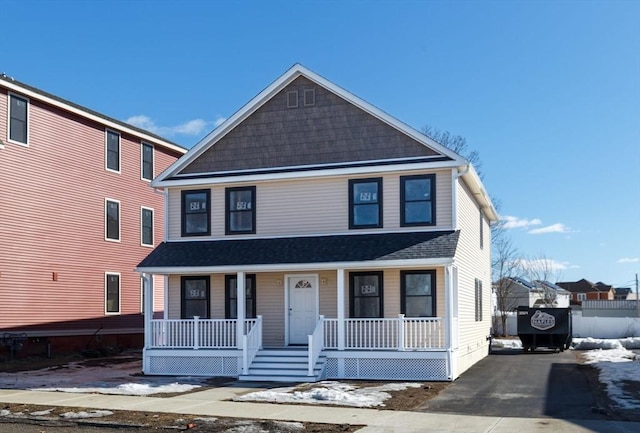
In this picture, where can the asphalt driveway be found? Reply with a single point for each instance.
(513, 383)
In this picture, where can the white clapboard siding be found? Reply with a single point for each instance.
(473, 262)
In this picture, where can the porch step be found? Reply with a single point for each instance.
(283, 365)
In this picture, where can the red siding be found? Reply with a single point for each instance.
(52, 205)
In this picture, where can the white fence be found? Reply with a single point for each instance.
(595, 327)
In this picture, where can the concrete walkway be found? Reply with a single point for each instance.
(210, 403)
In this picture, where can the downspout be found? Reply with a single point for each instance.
(165, 211)
(455, 174)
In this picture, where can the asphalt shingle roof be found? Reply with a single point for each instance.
(300, 250)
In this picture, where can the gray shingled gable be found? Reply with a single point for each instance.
(329, 132)
(302, 250)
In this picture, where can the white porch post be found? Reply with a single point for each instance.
(165, 311)
(341, 307)
(240, 293)
(451, 322)
(147, 287)
(448, 306)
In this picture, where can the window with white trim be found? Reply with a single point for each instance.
(147, 161)
(146, 226)
(112, 151)
(112, 293)
(582, 296)
(111, 220)
(18, 119)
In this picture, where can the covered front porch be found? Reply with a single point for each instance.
(357, 306)
(314, 346)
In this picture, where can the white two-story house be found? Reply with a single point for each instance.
(313, 236)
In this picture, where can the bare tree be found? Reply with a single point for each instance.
(505, 265)
(505, 261)
(457, 143)
(540, 270)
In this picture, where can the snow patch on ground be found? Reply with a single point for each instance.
(128, 389)
(506, 343)
(86, 414)
(617, 365)
(602, 343)
(329, 393)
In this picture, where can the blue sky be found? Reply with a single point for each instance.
(547, 92)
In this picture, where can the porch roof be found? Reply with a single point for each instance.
(387, 247)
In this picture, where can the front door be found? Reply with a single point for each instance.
(303, 307)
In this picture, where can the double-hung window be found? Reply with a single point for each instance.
(196, 213)
(418, 293)
(195, 297)
(231, 296)
(112, 220)
(113, 150)
(365, 290)
(18, 112)
(365, 203)
(112, 293)
(240, 210)
(146, 226)
(147, 161)
(417, 200)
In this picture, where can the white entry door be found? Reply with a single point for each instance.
(303, 307)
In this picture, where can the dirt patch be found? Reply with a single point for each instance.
(146, 421)
(37, 363)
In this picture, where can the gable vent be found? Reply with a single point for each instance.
(292, 99)
(309, 97)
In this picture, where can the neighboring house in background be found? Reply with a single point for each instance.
(584, 290)
(551, 295)
(621, 293)
(77, 213)
(521, 292)
(315, 225)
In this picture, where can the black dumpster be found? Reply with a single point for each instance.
(545, 327)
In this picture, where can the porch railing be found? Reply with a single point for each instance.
(316, 344)
(401, 333)
(196, 333)
(251, 343)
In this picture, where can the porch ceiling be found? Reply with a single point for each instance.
(304, 250)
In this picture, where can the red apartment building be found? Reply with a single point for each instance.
(77, 214)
